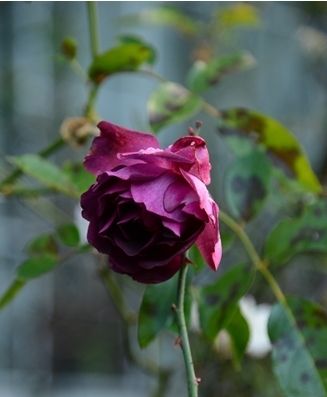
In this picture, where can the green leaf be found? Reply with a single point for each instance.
(11, 292)
(206, 74)
(165, 16)
(306, 233)
(128, 56)
(238, 15)
(300, 348)
(171, 103)
(69, 235)
(227, 237)
(196, 258)
(239, 333)
(156, 310)
(247, 184)
(80, 178)
(42, 244)
(278, 141)
(45, 172)
(219, 301)
(36, 266)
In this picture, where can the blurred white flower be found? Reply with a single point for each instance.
(81, 224)
(257, 317)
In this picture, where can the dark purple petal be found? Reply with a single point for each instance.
(113, 140)
(158, 275)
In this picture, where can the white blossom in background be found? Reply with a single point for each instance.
(257, 317)
(81, 224)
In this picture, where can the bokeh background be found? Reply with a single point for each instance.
(62, 336)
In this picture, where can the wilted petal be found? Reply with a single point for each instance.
(161, 158)
(177, 194)
(113, 140)
(209, 242)
(201, 190)
(194, 149)
(138, 172)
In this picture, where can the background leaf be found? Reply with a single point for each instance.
(127, 56)
(80, 178)
(238, 15)
(36, 266)
(171, 103)
(45, 172)
(279, 142)
(69, 235)
(219, 301)
(168, 16)
(247, 184)
(239, 333)
(11, 292)
(300, 348)
(156, 310)
(203, 75)
(305, 233)
(44, 243)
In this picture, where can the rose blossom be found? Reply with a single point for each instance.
(149, 205)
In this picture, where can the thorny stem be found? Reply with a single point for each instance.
(192, 381)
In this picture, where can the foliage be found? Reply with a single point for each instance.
(259, 144)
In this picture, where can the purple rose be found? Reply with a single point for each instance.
(149, 205)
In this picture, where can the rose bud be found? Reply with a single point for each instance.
(149, 205)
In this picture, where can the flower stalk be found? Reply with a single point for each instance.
(192, 381)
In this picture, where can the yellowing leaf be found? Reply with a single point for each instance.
(278, 141)
(238, 14)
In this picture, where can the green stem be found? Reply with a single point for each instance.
(259, 264)
(95, 49)
(89, 108)
(192, 382)
(93, 27)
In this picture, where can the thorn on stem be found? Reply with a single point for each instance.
(178, 341)
(198, 380)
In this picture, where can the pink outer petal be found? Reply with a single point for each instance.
(151, 193)
(195, 150)
(113, 140)
(209, 242)
(201, 190)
